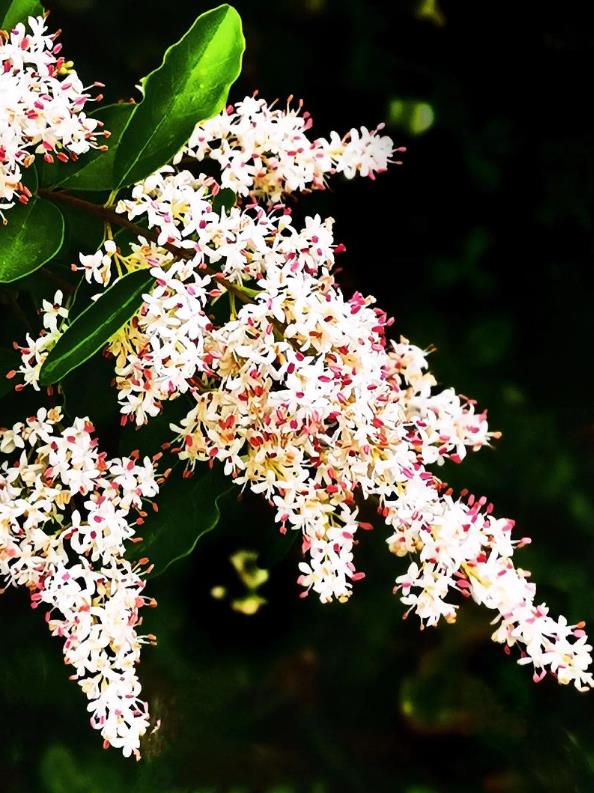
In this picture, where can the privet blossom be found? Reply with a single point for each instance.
(41, 107)
(65, 518)
(296, 389)
(299, 394)
(264, 152)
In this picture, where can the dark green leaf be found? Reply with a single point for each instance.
(14, 11)
(225, 198)
(33, 235)
(278, 545)
(188, 509)
(95, 169)
(191, 85)
(93, 328)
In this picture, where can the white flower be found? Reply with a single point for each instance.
(96, 266)
(265, 152)
(41, 108)
(72, 559)
(53, 312)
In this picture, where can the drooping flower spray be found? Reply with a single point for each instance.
(294, 388)
(300, 395)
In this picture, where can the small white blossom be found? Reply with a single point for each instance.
(34, 351)
(41, 107)
(71, 559)
(265, 151)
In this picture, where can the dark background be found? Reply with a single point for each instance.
(481, 243)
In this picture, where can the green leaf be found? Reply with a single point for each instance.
(14, 11)
(188, 509)
(33, 235)
(95, 326)
(95, 169)
(224, 199)
(191, 85)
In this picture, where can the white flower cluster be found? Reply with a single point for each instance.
(41, 107)
(35, 350)
(64, 523)
(462, 548)
(265, 151)
(300, 396)
(160, 352)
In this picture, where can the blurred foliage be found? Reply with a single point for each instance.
(480, 243)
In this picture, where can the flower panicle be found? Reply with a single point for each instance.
(65, 521)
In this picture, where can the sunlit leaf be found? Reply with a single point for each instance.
(191, 85)
(411, 116)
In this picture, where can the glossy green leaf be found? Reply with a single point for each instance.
(14, 11)
(93, 328)
(188, 509)
(95, 169)
(32, 236)
(191, 85)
